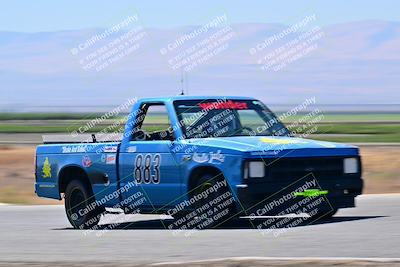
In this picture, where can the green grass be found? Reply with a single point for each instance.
(379, 138)
(336, 128)
(353, 133)
(365, 130)
(353, 117)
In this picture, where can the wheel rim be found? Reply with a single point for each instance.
(204, 187)
(201, 189)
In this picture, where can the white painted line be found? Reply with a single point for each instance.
(380, 195)
(289, 215)
(292, 259)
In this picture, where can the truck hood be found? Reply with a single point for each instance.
(274, 146)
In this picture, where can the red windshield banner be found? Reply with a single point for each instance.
(223, 105)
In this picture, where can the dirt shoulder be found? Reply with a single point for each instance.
(381, 171)
(17, 176)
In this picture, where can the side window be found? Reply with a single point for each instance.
(155, 124)
(250, 119)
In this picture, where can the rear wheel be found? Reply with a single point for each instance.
(79, 206)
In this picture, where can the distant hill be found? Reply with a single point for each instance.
(353, 63)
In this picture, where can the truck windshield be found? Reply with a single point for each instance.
(225, 118)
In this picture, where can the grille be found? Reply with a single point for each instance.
(295, 168)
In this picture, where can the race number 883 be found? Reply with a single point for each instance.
(147, 169)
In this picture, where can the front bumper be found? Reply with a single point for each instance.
(281, 196)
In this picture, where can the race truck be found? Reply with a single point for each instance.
(203, 161)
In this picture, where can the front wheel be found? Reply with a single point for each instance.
(215, 203)
(80, 206)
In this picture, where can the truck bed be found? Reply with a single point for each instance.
(98, 160)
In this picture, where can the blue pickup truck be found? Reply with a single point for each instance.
(202, 160)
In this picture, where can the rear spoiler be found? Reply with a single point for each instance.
(80, 138)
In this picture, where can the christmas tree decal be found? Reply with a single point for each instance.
(46, 170)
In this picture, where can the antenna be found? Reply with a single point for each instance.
(182, 80)
(187, 83)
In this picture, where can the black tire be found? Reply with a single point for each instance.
(78, 201)
(224, 214)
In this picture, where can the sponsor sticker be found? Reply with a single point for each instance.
(86, 161)
(269, 140)
(223, 105)
(132, 149)
(46, 169)
(111, 159)
(209, 157)
(47, 186)
(264, 153)
(110, 149)
(103, 158)
(74, 149)
(312, 193)
(326, 144)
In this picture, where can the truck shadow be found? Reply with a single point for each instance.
(242, 223)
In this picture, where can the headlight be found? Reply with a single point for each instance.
(350, 165)
(254, 169)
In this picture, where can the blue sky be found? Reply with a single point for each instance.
(50, 15)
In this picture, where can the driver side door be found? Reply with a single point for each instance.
(148, 161)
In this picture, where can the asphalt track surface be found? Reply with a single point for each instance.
(43, 234)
